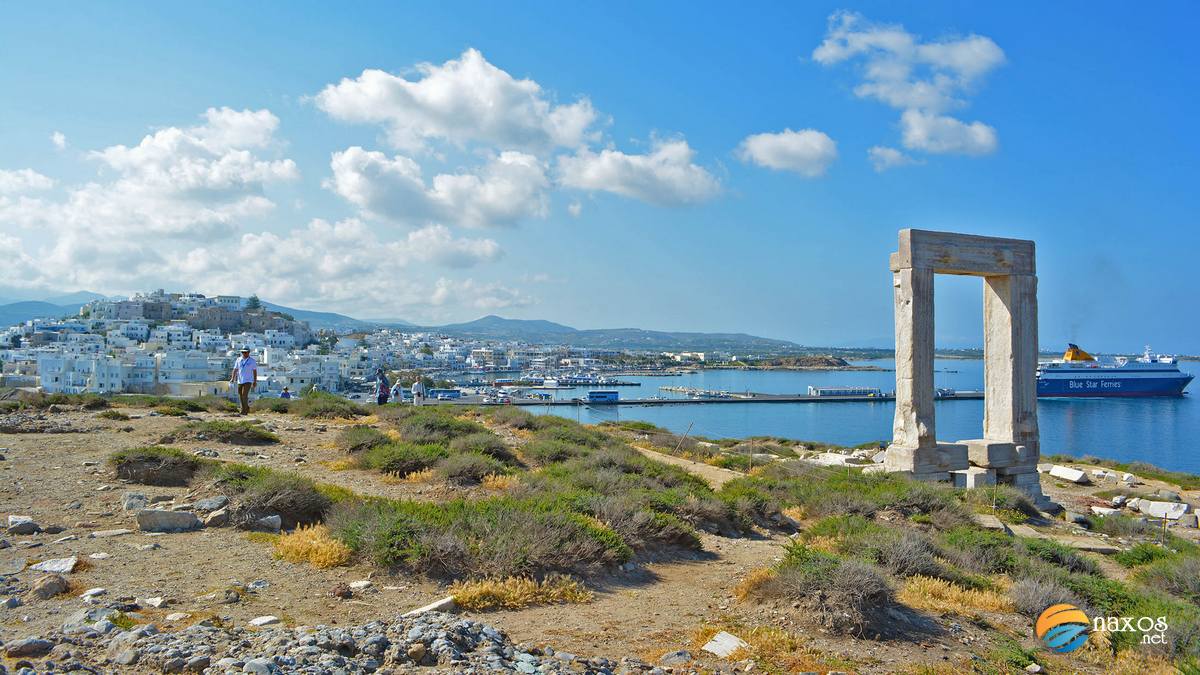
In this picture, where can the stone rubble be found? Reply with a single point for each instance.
(433, 642)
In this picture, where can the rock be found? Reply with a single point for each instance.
(416, 651)
(157, 520)
(1119, 501)
(30, 646)
(342, 592)
(676, 658)
(1168, 495)
(211, 503)
(257, 585)
(99, 556)
(1071, 475)
(48, 586)
(11, 602)
(22, 525)
(723, 644)
(259, 666)
(1033, 668)
(269, 524)
(178, 616)
(155, 602)
(1168, 510)
(1076, 518)
(267, 620)
(133, 501)
(1104, 511)
(57, 565)
(62, 540)
(1129, 479)
(92, 593)
(218, 518)
(838, 459)
(104, 534)
(1187, 520)
(360, 585)
(127, 657)
(196, 664)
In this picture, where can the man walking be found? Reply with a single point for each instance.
(245, 375)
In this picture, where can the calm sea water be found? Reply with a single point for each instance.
(1162, 431)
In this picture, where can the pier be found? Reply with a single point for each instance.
(745, 397)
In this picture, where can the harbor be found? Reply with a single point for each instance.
(747, 397)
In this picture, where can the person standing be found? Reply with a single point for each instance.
(418, 392)
(382, 387)
(398, 391)
(245, 375)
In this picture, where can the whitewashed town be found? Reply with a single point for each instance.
(185, 344)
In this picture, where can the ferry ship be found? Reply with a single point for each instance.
(1078, 373)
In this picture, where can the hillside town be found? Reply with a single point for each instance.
(185, 344)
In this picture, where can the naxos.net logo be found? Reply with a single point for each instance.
(1063, 628)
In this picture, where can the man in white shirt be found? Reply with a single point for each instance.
(245, 375)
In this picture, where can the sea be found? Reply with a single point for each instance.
(1162, 431)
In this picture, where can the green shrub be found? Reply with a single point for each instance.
(575, 435)
(1002, 498)
(643, 528)
(1061, 556)
(484, 443)
(543, 452)
(1178, 575)
(468, 468)
(360, 437)
(1142, 554)
(154, 465)
(732, 461)
(434, 426)
(113, 415)
(216, 403)
(275, 405)
(401, 459)
(840, 594)
(323, 405)
(1118, 525)
(1031, 597)
(489, 538)
(850, 531)
(226, 431)
(257, 492)
(907, 554)
(981, 551)
(512, 416)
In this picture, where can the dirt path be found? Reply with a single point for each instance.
(715, 476)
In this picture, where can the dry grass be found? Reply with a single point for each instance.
(773, 649)
(394, 435)
(796, 513)
(499, 482)
(344, 464)
(423, 476)
(262, 537)
(938, 595)
(753, 581)
(518, 592)
(313, 545)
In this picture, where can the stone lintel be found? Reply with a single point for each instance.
(942, 458)
(991, 454)
(955, 253)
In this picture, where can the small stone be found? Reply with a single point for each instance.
(259, 666)
(342, 592)
(49, 586)
(416, 651)
(257, 585)
(1033, 668)
(92, 593)
(99, 556)
(269, 524)
(218, 518)
(178, 616)
(267, 620)
(31, 646)
(153, 602)
(133, 501)
(62, 540)
(676, 658)
(157, 520)
(211, 503)
(56, 565)
(104, 534)
(197, 664)
(11, 602)
(360, 585)
(127, 657)
(22, 525)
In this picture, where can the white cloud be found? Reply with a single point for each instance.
(59, 139)
(23, 180)
(925, 79)
(575, 208)
(943, 134)
(807, 152)
(435, 244)
(510, 187)
(884, 158)
(461, 100)
(482, 296)
(665, 176)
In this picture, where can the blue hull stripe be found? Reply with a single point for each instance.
(1140, 386)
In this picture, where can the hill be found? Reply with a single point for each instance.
(20, 312)
(332, 320)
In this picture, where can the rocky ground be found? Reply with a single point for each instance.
(215, 600)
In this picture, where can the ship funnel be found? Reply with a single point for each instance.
(1074, 353)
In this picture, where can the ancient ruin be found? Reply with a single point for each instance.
(1008, 452)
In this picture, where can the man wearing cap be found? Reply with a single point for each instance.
(245, 375)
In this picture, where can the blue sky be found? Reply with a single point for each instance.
(595, 164)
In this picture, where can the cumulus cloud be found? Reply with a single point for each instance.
(18, 181)
(461, 100)
(510, 187)
(807, 152)
(482, 296)
(59, 139)
(925, 79)
(944, 134)
(665, 176)
(884, 158)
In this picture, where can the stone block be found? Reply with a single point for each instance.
(942, 458)
(990, 454)
(1168, 510)
(1070, 475)
(154, 520)
(973, 477)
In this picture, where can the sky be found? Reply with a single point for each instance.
(667, 165)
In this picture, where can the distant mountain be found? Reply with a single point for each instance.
(76, 298)
(332, 320)
(498, 328)
(20, 312)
